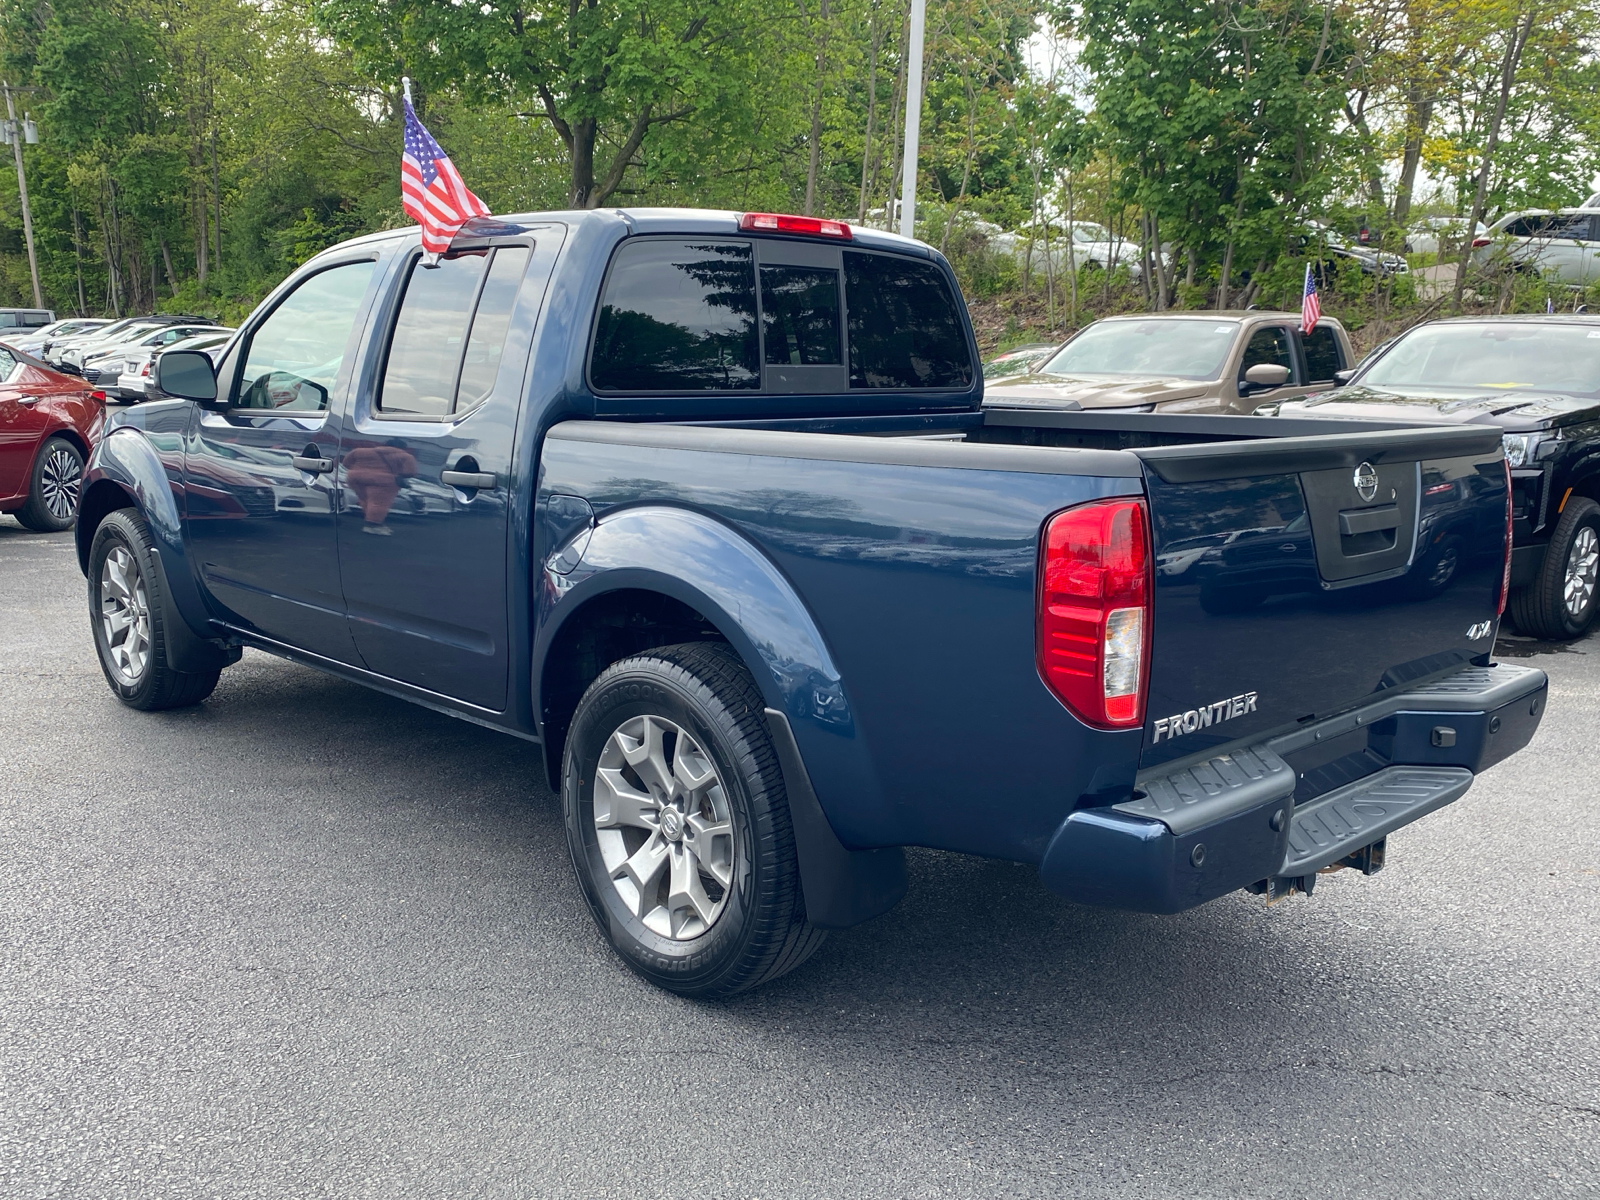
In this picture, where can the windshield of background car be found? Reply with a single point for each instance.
(1507, 355)
(1181, 349)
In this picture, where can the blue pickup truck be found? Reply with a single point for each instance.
(707, 505)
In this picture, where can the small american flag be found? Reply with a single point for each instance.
(431, 189)
(1310, 306)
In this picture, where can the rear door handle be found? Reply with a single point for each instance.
(316, 464)
(468, 479)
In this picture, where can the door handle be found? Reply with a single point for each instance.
(1353, 522)
(468, 479)
(316, 464)
(28, 399)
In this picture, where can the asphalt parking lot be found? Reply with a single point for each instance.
(307, 941)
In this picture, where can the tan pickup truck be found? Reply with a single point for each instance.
(1182, 362)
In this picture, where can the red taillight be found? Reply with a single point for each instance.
(1480, 243)
(1505, 574)
(1094, 611)
(782, 223)
(97, 395)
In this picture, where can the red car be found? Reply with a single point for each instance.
(48, 424)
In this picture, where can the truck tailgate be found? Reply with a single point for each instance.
(1297, 577)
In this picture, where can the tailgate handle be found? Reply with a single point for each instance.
(1356, 521)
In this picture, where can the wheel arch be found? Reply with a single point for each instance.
(686, 576)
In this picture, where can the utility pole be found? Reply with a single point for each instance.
(16, 134)
(908, 182)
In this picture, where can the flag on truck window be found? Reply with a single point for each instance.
(1310, 306)
(431, 189)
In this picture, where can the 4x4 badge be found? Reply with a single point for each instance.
(1480, 630)
(1366, 481)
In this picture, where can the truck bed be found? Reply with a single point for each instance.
(910, 547)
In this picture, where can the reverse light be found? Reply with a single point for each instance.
(1094, 611)
(1505, 573)
(783, 223)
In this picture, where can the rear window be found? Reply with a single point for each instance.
(905, 331)
(702, 314)
(678, 315)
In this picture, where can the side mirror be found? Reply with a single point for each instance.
(1340, 378)
(188, 375)
(1267, 375)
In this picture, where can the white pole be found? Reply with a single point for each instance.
(908, 184)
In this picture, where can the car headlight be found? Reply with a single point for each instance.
(1520, 447)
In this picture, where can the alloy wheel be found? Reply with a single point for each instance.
(125, 615)
(1583, 565)
(664, 827)
(60, 479)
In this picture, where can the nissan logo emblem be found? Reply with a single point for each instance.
(1366, 481)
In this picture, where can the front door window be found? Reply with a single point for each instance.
(295, 354)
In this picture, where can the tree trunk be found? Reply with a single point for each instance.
(581, 188)
(1163, 299)
(172, 278)
(77, 261)
(216, 196)
(875, 38)
(1508, 78)
(1411, 157)
(816, 114)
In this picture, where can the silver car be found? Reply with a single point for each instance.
(138, 379)
(1562, 246)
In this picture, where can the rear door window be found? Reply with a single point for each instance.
(450, 333)
(679, 315)
(1323, 354)
(905, 330)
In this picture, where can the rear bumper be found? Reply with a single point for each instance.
(1197, 830)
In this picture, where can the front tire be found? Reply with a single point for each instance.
(54, 487)
(1560, 603)
(130, 613)
(678, 823)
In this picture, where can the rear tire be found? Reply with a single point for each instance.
(678, 823)
(1560, 603)
(130, 614)
(54, 488)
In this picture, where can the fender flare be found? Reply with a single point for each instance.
(126, 460)
(711, 567)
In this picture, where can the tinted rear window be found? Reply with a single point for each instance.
(678, 315)
(905, 331)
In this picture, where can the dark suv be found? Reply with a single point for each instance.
(1538, 379)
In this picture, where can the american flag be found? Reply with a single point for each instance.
(431, 189)
(1310, 306)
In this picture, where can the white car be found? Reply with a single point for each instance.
(1431, 235)
(105, 366)
(39, 341)
(71, 349)
(1563, 246)
(138, 378)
